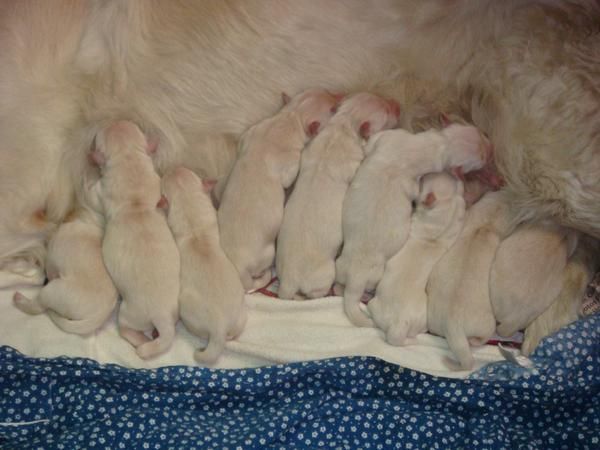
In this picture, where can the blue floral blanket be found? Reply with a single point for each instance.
(341, 403)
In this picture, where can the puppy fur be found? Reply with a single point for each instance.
(527, 273)
(378, 205)
(566, 306)
(80, 294)
(251, 208)
(311, 233)
(459, 305)
(399, 307)
(197, 74)
(211, 298)
(138, 248)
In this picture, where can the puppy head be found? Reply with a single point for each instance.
(117, 138)
(370, 113)
(437, 188)
(181, 181)
(468, 148)
(315, 106)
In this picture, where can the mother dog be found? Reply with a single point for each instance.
(195, 74)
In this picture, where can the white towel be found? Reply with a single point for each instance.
(277, 331)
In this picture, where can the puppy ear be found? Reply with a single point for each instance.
(163, 203)
(208, 185)
(429, 200)
(285, 98)
(365, 130)
(313, 128)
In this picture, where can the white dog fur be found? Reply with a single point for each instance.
(459, 305)
(399, 307)
(251, 207)
(80, 294)
(527, 273)
(197, 74)
(566, 307)
(138, 248)
(311, 233)
(211, 298)
(378, 205)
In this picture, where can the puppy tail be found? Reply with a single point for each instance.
(352, 294)
(166, 334)
(209, 355)
(80, 326)
(28, 305)
(459, 344)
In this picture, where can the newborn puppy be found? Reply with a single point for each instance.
(378, 206)
(138, 248)
(211, 298)
(251, 208)
(80, 295)
(399, 307)
(311, 232)
(459, 305)
(565, 308)
(527, 273)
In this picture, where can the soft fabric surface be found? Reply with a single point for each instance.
(277, 331)
(356, 402)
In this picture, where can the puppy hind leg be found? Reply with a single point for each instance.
(134, 337)
(28, 305)
(166, 335)
(459, 344)
(262, 280)
(286, 291)
(352, 299)
(210, 354)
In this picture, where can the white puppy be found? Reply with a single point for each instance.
(251, 209)
(311, 232)
(527, 273)
(80, 295)
(138, 248)
(211, 298)
(459, 305)
(399, 307)
(566, 306)
(378, 205)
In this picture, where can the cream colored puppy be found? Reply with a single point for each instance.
(211, 298)
(566, 307)
(378, 205)
(459, 305)
(311, 232)
(138, 248)
(399, 307)
(80, 295)
(527, 273)
(251, 209)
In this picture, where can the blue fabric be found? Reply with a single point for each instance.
(353, 403)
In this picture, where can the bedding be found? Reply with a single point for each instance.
(551, 401)
(277, 331)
